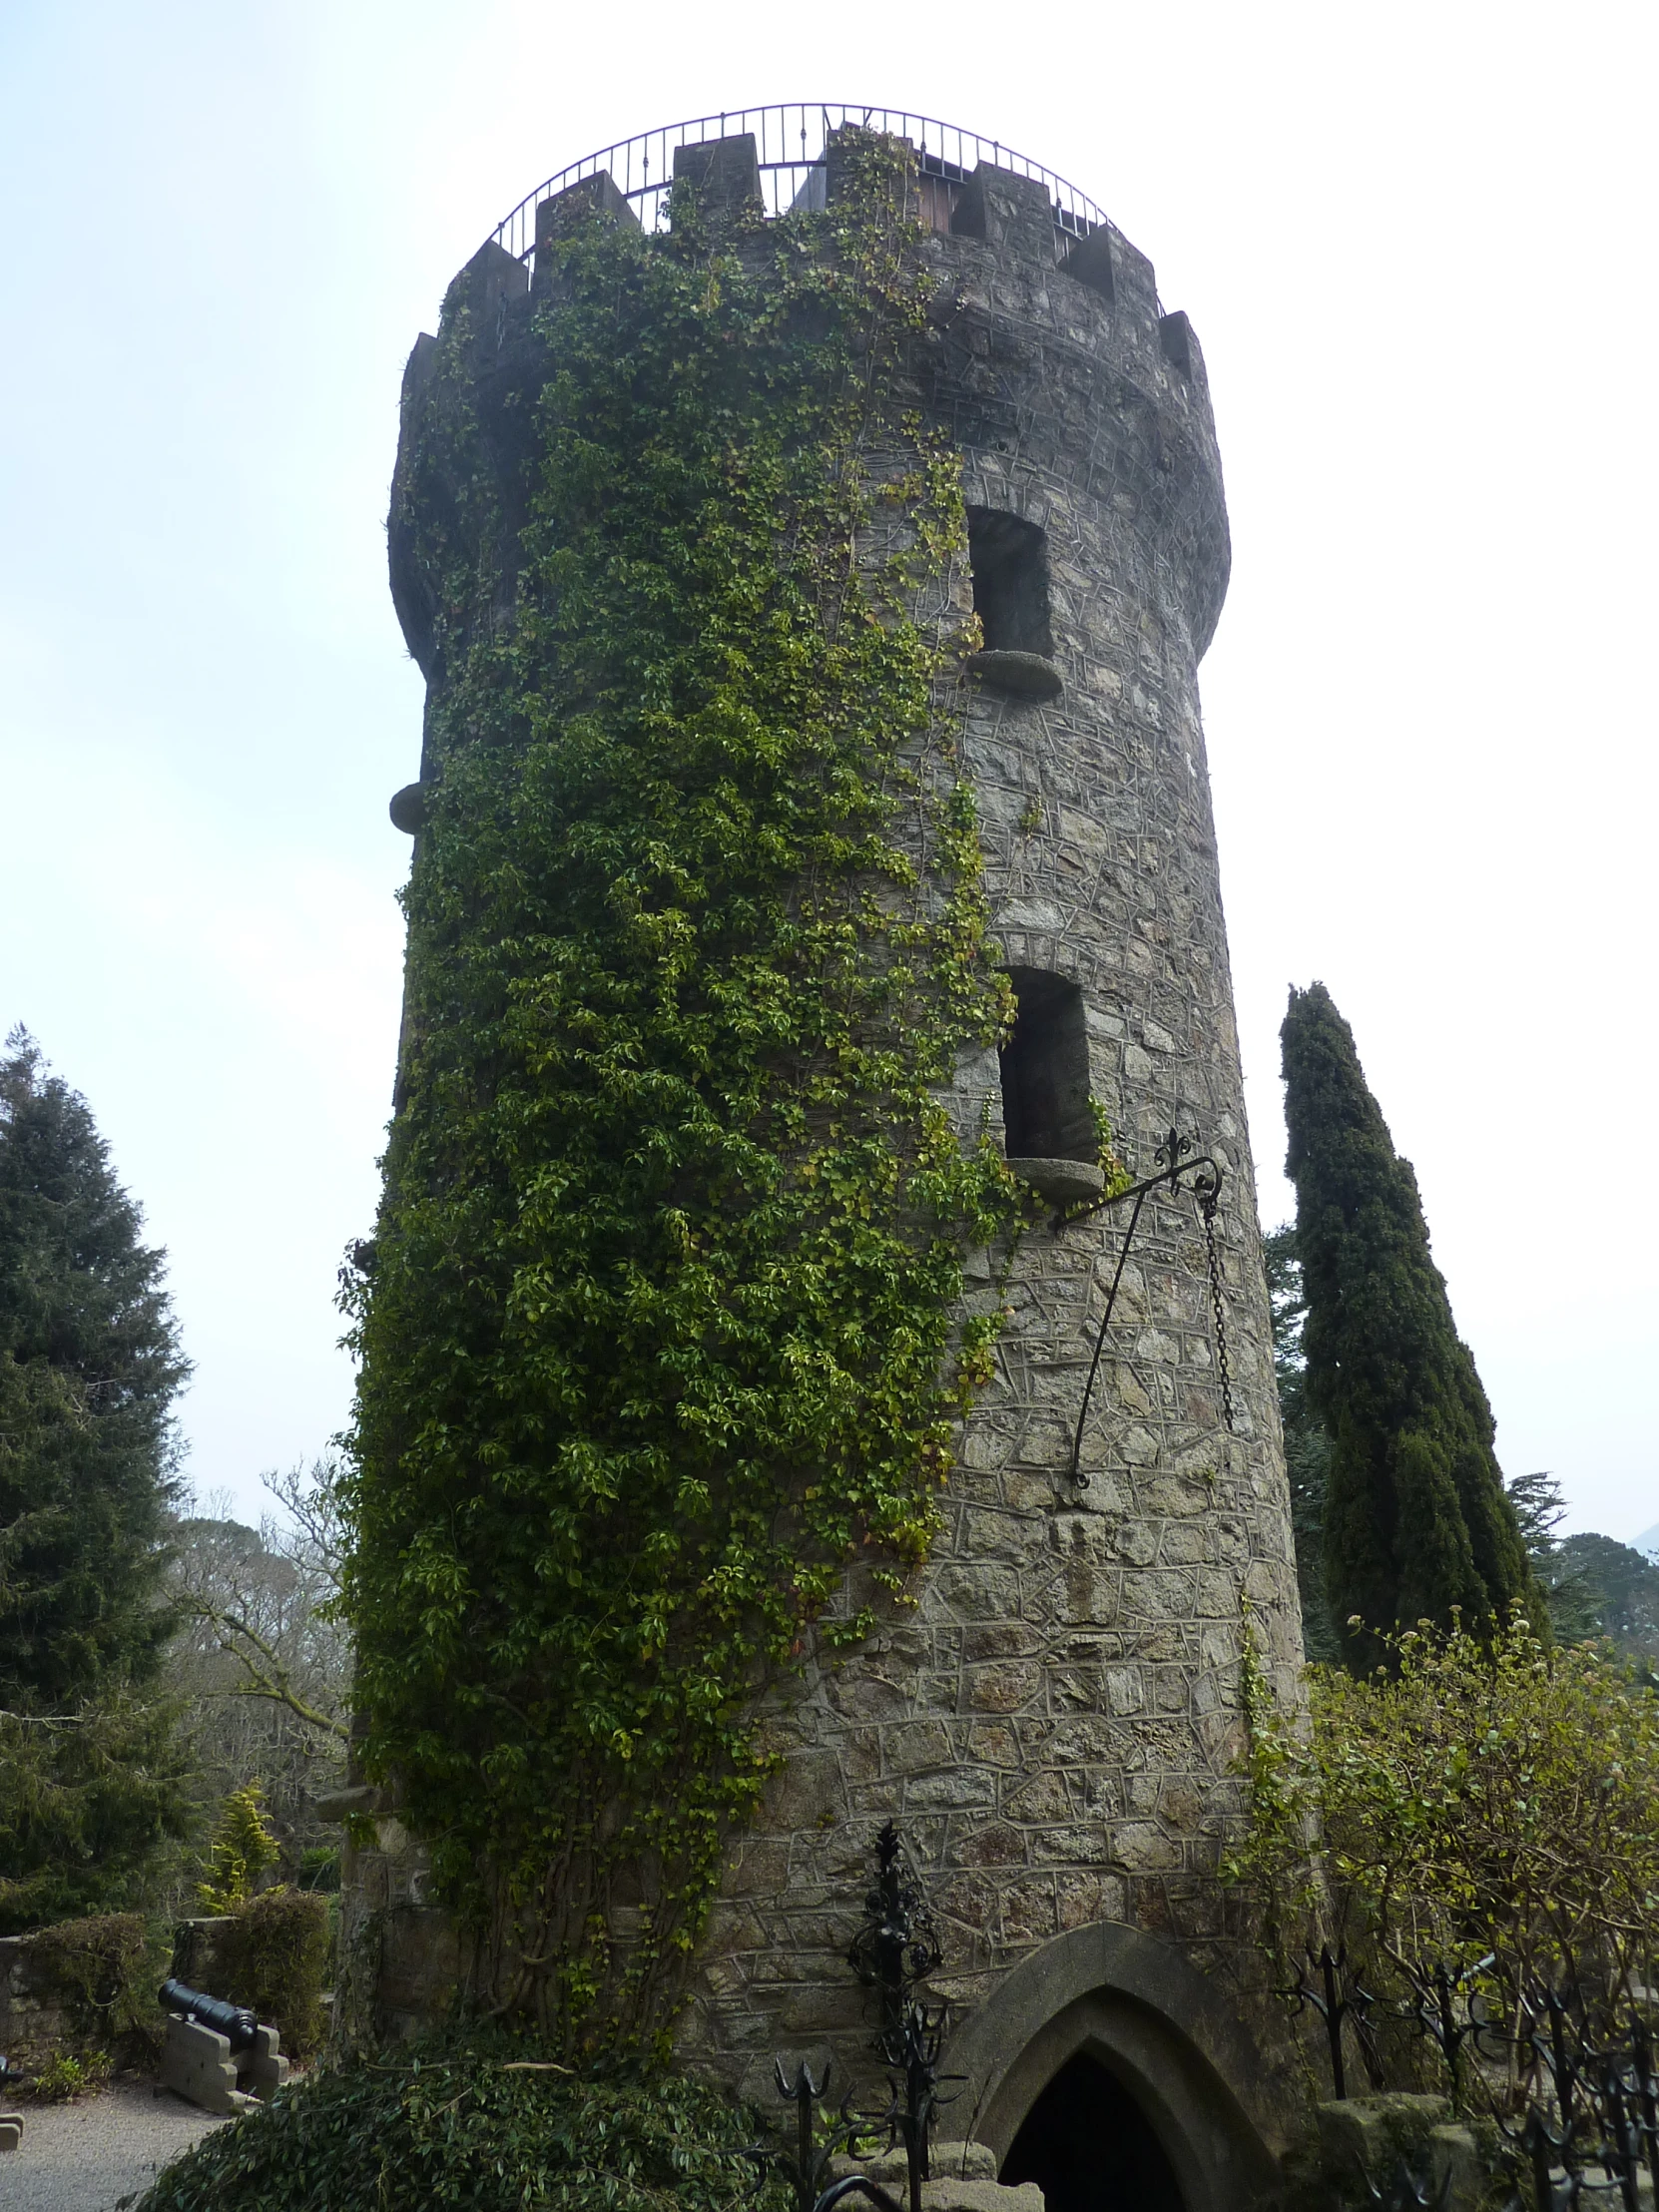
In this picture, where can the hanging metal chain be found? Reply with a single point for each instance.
(1208, 1204)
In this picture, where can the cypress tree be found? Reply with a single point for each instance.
(1416, 1519)
(89, 1367)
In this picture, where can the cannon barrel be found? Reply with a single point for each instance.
(234, 2021)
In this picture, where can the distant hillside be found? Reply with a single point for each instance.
(1647, 1544)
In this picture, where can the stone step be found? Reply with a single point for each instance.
(962, 2179)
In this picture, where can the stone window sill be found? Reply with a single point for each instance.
(1061, 1181)
(1025, 675)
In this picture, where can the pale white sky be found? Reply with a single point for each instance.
(1416, 244)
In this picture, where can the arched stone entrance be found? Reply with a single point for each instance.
(1184, 2097)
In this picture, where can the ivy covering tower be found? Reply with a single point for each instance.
(1417, 1520)
(674, 1226)
(89, 1368)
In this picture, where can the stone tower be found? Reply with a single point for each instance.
(1055, 1722)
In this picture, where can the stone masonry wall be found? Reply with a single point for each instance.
(1055, 1720)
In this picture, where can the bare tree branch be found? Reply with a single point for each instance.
(235, 1636)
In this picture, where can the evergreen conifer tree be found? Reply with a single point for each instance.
(89, 1367)
(1572, 1594)
(1416, 1519)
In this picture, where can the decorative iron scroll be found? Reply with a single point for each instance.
(898, 1944)
(1175, 1157)
(1337, 1996)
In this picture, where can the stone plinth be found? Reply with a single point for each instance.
(199, 2065)
(962, 2178)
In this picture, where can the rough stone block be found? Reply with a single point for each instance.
(1042, 1801)
(262, 2068)
(1363, 2137)
(565, 211)
(956, 1788)
(1458, 2168)
(1004, 1688)
(1028, 1913)
(1141, 1847)
(962, 2179)
(723, 173)
(948, 2194)
(808, 1788)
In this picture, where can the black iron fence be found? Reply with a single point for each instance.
(1571, 2088)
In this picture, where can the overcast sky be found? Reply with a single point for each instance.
(1416, 242)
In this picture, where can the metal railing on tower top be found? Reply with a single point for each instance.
(790, 141)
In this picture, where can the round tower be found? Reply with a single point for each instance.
(1052, 1715)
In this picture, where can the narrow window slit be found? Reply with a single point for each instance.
(1008, 557)
(1046, 1113)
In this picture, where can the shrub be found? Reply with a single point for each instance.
(273, 1956)
(102, 1973)
(319, 1868)
(1465, 1800)
(65, 2076)
(242, 1849)
(485, 2125)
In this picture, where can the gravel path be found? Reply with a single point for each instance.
(81, 2157)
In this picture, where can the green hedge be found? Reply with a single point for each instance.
(486, 2126)
(273, 1956)
(101, 1971)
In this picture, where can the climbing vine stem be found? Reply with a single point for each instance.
(664, 1331)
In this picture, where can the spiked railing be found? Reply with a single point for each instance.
(790, 140)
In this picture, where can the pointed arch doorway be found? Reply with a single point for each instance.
(1090, 2148)
(1106, 2067)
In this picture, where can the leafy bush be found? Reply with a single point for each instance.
(273, 1956)
(1478, 1800)
(66, 2076)
(242, 1849)
(319, 1868)
(98, 1977)
(485, 2126)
